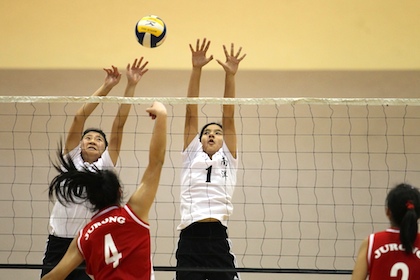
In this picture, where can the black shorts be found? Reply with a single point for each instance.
(56, 248)
(205, 245)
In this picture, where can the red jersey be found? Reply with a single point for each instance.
(387, 258)
(116, 245)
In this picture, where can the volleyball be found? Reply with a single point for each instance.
(151, 31)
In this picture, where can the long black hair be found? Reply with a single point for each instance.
(101, 188)
(404, 203)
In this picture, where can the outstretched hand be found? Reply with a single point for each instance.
(199, 54)
(136, 71)
(232, 60)
(112, 76)
(157, 109)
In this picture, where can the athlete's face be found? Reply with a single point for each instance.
(93, 145)
(212, 139)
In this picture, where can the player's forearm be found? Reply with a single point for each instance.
(230, 92)
(194, 84)
(230, 86)
(123, 110)
(158, 141)
(86, 110)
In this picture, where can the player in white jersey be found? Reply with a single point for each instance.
(208, 179)
(115, 244)
(89, 148)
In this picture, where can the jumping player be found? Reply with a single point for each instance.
(395, 252)
(116, 243)
(208, 178)
(89, 148)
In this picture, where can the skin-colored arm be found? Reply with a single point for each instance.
(68, 263)
(228, 121)
(134, 74)
(199, 59)
(76, 129)
(142, 199)
(360, 270)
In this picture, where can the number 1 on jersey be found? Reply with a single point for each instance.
(209, 173)
(111, 252)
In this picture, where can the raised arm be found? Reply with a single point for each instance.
(143, 197)
(67, 264)
(76, 129)
(199, 59)
(228, 119)
(134, 74)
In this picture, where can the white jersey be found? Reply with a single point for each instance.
(207, 184)
(67, 220)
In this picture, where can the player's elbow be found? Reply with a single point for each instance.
(157, 161)
(79, 118)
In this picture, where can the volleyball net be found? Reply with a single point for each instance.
(312, 180)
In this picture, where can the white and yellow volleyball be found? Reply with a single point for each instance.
(151, 31)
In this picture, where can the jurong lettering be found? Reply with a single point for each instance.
(107, 220)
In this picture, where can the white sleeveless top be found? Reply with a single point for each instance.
(207, 184)
(67, 220)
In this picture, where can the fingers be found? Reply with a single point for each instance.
(138, 65)
(203, 47)
(156, 109)
(242, 57)
(197, 44)
(112, 72)
(232, 53)
(137, 62)
(226, 52)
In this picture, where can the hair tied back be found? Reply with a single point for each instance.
(409, 204)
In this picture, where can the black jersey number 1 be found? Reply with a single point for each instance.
(209, 173)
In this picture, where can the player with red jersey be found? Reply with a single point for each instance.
(116, 243)
(395, 252)
(116, 237)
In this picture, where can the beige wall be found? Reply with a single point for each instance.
(328, 48)
(282, 34)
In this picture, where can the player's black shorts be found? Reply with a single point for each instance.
(205, 245)
(56, 248)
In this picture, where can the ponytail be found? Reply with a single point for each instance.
(404, 204)
(409, 227)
